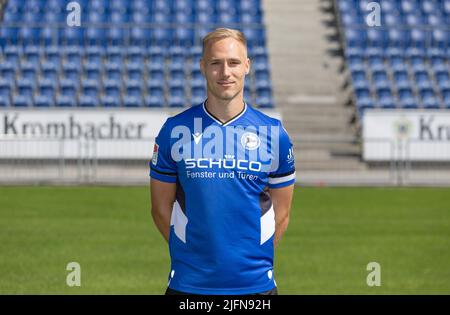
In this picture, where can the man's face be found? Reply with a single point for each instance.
(224, 65)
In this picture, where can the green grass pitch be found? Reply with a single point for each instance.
(333, 234)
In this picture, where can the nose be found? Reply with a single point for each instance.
(225, 70)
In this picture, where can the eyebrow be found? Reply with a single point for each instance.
(230, 59)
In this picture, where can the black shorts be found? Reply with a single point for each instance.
(170, 291)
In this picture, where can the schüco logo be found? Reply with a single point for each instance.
(227, 163)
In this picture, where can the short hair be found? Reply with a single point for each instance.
(221, 33)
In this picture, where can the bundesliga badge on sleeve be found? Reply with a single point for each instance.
(155, 154)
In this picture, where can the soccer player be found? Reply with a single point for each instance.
(222, 176)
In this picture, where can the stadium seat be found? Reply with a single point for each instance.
(22, 101)
(65, 101)
(155, 97)
(88, 100)
(429, 99)
(43, 100)
(132, 100)
(56, 52)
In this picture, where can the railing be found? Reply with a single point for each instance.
(31, 160)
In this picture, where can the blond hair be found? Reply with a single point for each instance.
(221, 33)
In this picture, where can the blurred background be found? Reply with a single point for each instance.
(362, 87)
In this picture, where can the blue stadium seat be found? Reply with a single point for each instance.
(401, 79)
(176, 78)
(8, 70)
(397, 63)
(359, 79)
(422, 79)
(25, 86)
(364, 100)
(429, 99)
(60, 53)
(385, 98)
(250, 6)
(205, 18)
(176, 96)
(264, 98)
(72, 35)
(8, 35)
(133, 87)
(155, 97)
(32, 54)
(355, 37)
(65, 101)
(398, 38)
(94, 53)
(110, 101)
(440, 38)
(30, 18)
(380, 79)
(132, 100)
(161, 6)
(5, 92)
(376, 37)
(90, 87)
(442, 79)
(254, 36)
(52, 17)
(52, 54)
(184, 36)
(134, 71)
(12, 17)
(182, 18)
(28, 70)
(227, 19)
(446, 98)
(156, 78)
(116, 35)
(376, 63)
(58, 6)
(248, 18)
(88, 100)
(46, 87)
(69, 87)
(71, 70)
(113, 71)
(43, 100)
(112, 88)
(95, 36)
(406, 98)
(262, 78)
(22, 101)
(140, 6)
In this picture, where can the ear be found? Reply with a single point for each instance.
(247, 70)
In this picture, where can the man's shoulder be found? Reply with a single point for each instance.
(264, 118)
(184, 116)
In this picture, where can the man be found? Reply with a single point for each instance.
(222, 182)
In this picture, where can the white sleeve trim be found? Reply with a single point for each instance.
(279, 180)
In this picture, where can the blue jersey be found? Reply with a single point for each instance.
(223, 221)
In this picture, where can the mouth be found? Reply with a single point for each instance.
(225, 83)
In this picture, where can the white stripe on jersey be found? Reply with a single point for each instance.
(278, 180)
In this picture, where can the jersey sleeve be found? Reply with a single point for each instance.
(284, 175)
(162, 166)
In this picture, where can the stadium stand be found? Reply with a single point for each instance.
(404, 63)
(141, 53)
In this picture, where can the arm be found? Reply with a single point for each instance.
(281, 199)
(162, 199)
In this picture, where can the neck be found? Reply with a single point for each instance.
(224, 110)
